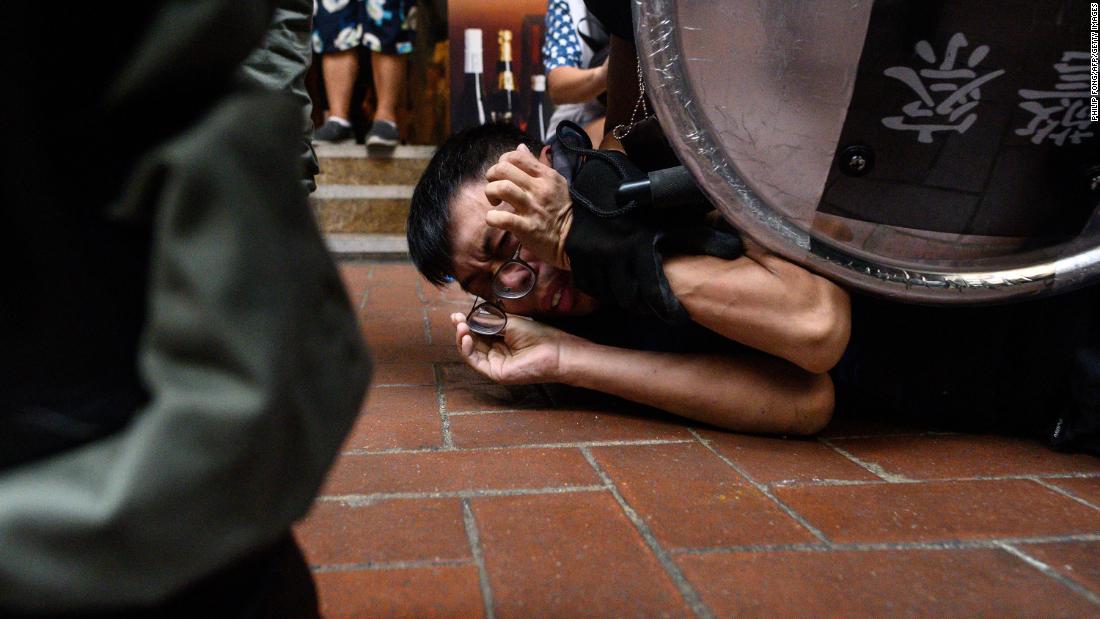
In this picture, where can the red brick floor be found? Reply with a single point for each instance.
(459, 498)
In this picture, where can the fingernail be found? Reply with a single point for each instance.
(523, 147)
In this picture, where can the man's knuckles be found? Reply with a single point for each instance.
(512, 158)
(505, 190)
(525, 161)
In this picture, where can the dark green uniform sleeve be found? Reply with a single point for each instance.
(280, 64)
(246, 348)
(255, 368)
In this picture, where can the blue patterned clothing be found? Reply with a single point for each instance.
(561, 47)
(384, 26)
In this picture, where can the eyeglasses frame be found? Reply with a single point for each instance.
(515, 259)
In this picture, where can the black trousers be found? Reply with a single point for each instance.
(1025, 368)
(270, 583)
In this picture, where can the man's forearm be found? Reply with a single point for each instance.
(766, 303)
(750, 393)
(575, 85)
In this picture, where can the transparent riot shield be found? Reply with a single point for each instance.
(935, 151)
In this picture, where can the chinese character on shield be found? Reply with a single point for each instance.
(947, 92)
(1061, 113)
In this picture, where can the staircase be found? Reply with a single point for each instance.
(362, 201)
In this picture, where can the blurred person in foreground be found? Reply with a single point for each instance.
(678, 320)
(182, 361)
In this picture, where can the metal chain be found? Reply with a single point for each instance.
(621, 131)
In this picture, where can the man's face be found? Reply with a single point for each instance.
(479, 250)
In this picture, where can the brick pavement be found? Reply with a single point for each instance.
(455, 497)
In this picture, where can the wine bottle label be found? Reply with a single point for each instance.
(507, 81)
(473, 55)
(538, 83)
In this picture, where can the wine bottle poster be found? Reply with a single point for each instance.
(496, 83)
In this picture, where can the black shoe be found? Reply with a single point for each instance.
(333, 131)
(383, 133)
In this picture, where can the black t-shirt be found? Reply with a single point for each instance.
(614, 15)
(1019, 367)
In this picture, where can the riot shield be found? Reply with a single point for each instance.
(934, 151)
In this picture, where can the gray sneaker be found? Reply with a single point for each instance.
(383, 133)
(333, 131)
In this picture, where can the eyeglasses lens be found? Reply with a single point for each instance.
(513, 281)
(486, 319)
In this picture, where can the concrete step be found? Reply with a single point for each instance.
(366, 193)
(361, 209)
(350, 164)
(367, 246)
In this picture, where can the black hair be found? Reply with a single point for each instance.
(462, 158)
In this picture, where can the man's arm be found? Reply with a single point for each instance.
(749, 393)
(576, 85)
(766, 303)
(566, 80)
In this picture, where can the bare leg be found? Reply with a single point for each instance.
(389, 79)
(594, 130)
(622, 82)
(340, 69)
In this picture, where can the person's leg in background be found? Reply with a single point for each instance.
(340, 69)
(389, 34)
(337, 33)
(389, 79)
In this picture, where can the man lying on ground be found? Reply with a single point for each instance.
(759, 335)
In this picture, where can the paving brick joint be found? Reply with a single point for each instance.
(455, 497)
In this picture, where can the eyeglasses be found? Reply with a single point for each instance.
(514, 279)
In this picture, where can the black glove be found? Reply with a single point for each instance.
(616, 252)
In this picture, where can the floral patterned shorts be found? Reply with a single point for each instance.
(384, 26)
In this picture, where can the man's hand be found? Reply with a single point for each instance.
(543, 209)
(529, 352)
